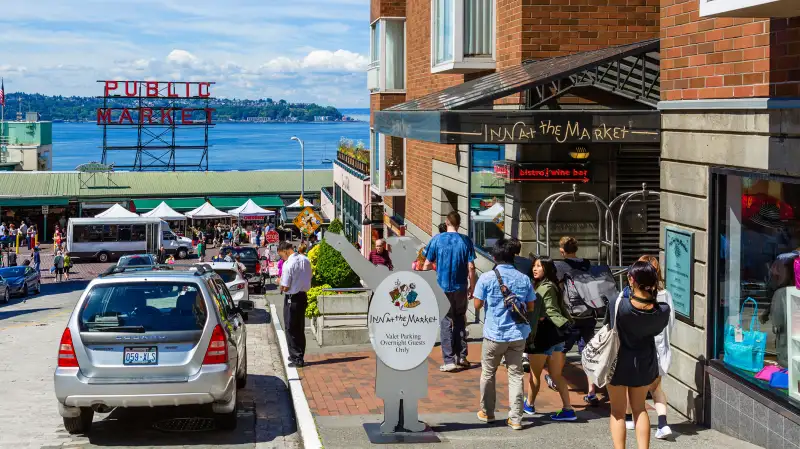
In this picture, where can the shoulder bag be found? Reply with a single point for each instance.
(599, 357)
(744, 349)
(512, 302)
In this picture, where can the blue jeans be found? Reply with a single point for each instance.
(453, 328)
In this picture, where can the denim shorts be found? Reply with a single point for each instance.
(555, 348)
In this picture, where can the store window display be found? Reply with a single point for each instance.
(486, 197)
(758, 330)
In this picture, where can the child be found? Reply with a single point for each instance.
(171, 260)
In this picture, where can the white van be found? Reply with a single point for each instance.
(104, 239)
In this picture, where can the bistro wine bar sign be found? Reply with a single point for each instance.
(542, 172)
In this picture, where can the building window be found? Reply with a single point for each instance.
(757, 245)
(486, 196)
(337, 201)
(352, 216)
(375, 160)
(388, 168)
(387, 72)
(463, 36)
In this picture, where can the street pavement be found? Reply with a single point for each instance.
(29, 337)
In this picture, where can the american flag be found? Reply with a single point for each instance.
(2, 92)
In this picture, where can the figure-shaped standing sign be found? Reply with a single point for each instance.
(403, 324)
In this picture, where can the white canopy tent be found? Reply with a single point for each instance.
(206, 211)
(250, 209)
(164, 212)
(296, 204)
(116, 211)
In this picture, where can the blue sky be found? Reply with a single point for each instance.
(298, 50)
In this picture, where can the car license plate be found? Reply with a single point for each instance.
(140, 356)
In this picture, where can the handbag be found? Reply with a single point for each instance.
(780, 379)
(744, 349)
(599, 356)
(512, 302)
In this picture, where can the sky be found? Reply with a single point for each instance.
(297, 50)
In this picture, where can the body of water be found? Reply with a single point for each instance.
(233, 146)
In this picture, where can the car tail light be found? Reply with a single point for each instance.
(217, 348)
(239, 286)
(66, 352)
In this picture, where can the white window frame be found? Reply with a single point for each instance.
(380, 189)
(749, 8)
(460, 64)
(381, 67)
(373, 147)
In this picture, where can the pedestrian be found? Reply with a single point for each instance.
(35, 235)
(239, 265)
(548, 343)
(170, 260)
(3, 228)
(380, 255)
(201, 250)
(664, 358)
(37, 259)
(523, 264)
(258, 236)
(31, 233)
(583, 326)
(638, 320)
(56, 240)
(67, 264)
(454, 256)
(295, 282)
(503, 336)
(11, 258)
(58, 264)
(162, 255)
(23, 231)
(237, 235)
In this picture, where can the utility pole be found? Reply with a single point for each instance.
(302, 170)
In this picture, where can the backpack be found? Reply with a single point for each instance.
(586, 292)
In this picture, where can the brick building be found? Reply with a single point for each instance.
(495, 108)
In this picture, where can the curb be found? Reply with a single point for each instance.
(305, 420)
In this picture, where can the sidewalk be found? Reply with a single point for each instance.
(339, 385)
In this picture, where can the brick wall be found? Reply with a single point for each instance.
(378, 102)
(386, 8)
(726, 57)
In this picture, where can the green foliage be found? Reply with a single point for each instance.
(313, 256)
(336, 226)
(355, 150)
(333, 269)
(312, 310)
(84, 109)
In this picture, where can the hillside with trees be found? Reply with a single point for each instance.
(84, 109)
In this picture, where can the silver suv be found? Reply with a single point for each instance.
(152, 338)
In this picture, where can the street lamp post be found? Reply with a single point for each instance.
(302, 170)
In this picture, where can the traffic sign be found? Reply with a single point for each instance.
(308, 221)
(273, 236)
(45, 210)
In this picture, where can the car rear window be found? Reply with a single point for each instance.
(246, 253)
(226, 275)
(143, 307)
(136, 261)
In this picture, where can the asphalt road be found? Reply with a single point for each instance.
(29, 336)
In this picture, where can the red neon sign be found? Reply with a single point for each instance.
(542, 172)
(170, 114)
(157, 89)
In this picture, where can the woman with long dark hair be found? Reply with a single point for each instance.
(638, 320)
(548, 343)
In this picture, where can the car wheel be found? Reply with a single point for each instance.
(227, 421)
(183, 253)
(241, 381)
(102, 257)
(80, 424)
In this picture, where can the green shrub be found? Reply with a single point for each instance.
(333, 269)
(311, 309)
(335, 226)
(313, 257)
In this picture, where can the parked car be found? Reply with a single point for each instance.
(145, 261)
(6, 292)
(22, 280)
(234, 280)
(152, 338)
(249, 257)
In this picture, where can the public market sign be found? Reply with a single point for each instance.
(403, 320)
(170, 114)
(542, 172)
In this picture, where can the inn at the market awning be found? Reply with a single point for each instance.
(464, 114)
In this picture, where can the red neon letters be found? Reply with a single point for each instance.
(157, 89)
(155, 116)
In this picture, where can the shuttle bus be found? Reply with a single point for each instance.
(104, 239)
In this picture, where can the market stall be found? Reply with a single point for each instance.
(176, 220)
(116, 211)
(250, 214)
(206, 215)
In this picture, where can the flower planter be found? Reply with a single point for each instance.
(342, 320)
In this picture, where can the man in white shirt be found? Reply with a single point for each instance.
(295, 282)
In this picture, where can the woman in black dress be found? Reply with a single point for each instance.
(639, 319)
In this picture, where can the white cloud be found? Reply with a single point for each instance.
(181, 57)
(321, 60)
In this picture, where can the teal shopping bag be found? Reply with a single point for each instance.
(744, 349)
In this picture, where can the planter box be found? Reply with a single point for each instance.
(342, 320)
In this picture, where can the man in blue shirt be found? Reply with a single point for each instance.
(454, 256)
(502, 335)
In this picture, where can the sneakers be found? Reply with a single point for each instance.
(514, 425)
(483, 417)
(529, 409)
(448, 368)
(663, 433)
(550, 383)
(564, 415)
(592, 400)
(630, 425)
(526, 365)
(464, 363)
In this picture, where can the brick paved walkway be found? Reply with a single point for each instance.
(344, 384)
